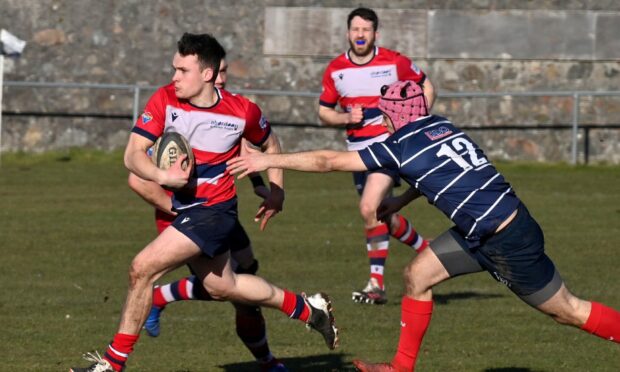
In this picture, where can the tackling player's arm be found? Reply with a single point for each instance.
(309, 161)
(139, 163)
(274, 201)
(151, 192)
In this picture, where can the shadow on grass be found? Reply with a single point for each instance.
(444, 299)
(324, 362)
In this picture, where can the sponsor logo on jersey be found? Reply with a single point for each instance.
(146, 117)
(186, 219)
(340, 76)
(174, 116)
(263, 122)
(223, 125)
(415, 68)
(437, 133)
(381, 73)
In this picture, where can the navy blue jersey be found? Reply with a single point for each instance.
(451, 171)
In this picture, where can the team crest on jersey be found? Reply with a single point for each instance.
(415, 68)
(262, 122)
(437, 133)
(146, 117)
(340, 76)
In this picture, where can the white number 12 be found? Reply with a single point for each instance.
(458, 144)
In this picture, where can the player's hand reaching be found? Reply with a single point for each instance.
(246, 164)
(387, 207)
(271, 206)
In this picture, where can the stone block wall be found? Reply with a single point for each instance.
(475, 46)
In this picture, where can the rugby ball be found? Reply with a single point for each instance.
(169, 148)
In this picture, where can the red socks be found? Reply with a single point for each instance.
(415, 319)
(295, 306)
(377, 245)
(603, 322)
(119, 350)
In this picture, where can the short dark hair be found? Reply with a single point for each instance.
(364, 13)
(206, 48)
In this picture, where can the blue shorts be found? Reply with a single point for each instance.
(359, 178)
(215, 229)
(515, 256)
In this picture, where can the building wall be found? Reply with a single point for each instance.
(473, 46)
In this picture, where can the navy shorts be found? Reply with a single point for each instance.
(515, 257)
(359, 178)
(215, 229)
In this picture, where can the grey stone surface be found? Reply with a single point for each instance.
(284, 45)
(512, 34)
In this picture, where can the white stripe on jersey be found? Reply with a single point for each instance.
(357, 146)
(392, 155)
(464, 172)
(212, 180)
(223, 130)
(363, 81)
(488, 211)
(417, 182)
(471, 194)
(187, 206)
(374, 158)
(431, 146)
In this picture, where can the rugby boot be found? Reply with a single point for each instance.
(371, 294)
(99, 364)
(321, 318)
(152, 322)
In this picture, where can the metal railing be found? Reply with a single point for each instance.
(136, 90)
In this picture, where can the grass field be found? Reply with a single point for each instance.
(70, 227)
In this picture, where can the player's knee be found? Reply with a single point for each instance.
(368, 212)
(139, 273)
(567, 310)
(414, 280)
(220, 291)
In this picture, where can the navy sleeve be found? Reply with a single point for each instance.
(381, 155)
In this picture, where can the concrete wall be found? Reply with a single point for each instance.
(473, 46)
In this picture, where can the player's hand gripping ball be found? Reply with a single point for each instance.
(169, 148)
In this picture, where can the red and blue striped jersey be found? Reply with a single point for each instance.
(350, 84)
(451, 171)
(214, 133)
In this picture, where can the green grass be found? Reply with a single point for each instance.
(70, 227)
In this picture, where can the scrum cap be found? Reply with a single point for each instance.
(403, 102)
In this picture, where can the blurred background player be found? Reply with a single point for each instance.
(353, 81)
(249, 320)
(493, 230)
(213, 121)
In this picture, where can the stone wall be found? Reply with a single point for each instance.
(474, 46)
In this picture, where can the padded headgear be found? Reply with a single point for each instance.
(403, 102)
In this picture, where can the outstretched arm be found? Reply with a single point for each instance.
(274, 201)
(309, 161)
